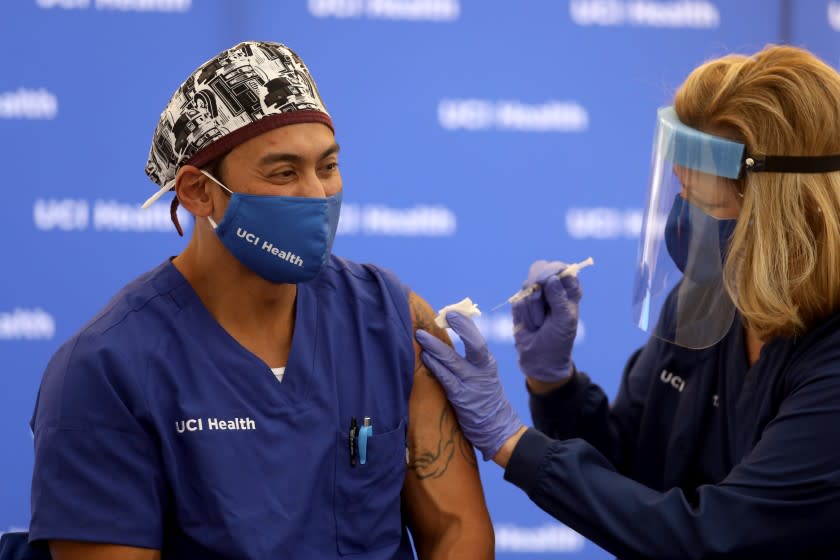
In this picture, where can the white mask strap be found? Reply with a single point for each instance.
(163, 190)
(210, 218)
(215, 181)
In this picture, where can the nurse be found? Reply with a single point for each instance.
(255, 396)
(722, 440)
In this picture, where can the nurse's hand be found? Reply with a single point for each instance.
(545, 323)
(472, 386)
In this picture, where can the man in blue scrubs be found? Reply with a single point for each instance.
(254, 397)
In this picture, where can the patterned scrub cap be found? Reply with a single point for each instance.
(240, 93)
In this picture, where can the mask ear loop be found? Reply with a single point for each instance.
(173, 207)
(173, 214)
(228, 193)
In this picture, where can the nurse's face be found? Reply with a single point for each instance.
(716, 196)
(294, 160)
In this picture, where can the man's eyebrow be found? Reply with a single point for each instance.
(275, 157)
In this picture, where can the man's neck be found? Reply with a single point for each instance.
(258, 314)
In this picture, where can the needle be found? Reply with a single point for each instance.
(571, 270)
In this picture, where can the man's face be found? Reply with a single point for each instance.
(294, 160)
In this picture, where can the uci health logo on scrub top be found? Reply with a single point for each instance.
(686, 14)
(214, 424)
(395, 10)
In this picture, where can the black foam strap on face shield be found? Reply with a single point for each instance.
(792, 164)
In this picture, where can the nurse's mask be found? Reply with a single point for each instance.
(694, 202)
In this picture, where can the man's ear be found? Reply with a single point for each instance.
(191, 190)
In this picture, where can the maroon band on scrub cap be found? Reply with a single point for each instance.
(240, 93)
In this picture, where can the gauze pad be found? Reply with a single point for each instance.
(465, 307)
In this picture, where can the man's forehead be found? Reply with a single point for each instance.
(303, 140)
(216, 111)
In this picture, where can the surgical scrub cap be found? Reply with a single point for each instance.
(240, 93)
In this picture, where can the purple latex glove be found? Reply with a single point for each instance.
(471, 385)
(545, 323)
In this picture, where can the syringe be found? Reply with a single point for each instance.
(571, 270)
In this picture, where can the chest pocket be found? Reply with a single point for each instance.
(367, 497)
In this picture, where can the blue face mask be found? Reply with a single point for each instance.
(696, 241)
(284, 239)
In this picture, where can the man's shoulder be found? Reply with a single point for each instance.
(362, 271)
(107, 356)
(369, 284)
(132, 314)
(361, 274)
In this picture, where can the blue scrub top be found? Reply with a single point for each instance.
(155, 428)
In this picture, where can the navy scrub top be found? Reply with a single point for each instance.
(700, 455)
(154, 428)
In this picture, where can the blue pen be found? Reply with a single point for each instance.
(365, 431)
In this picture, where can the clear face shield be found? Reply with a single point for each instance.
(691, 212)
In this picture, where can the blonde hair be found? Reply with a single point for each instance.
(783, 265)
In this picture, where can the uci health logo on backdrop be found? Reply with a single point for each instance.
(118, 5)
(27, 103)
(26, 324)
(396, 10)
(601, 222)
(833, 10)
(548, 538)
(79, 214)
(497, 327)
(687, 14)
(512, 115)
(386, 221)
(369, 220)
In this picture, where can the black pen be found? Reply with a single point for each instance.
(354, 430)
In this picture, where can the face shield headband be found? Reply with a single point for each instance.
(693, 205)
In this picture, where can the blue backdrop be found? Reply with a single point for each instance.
(477, 136)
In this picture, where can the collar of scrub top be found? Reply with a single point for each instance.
(719, 156)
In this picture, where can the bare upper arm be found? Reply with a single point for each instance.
(75, 550)
(442, 492)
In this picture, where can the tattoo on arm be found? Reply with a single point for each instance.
(435, 463)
